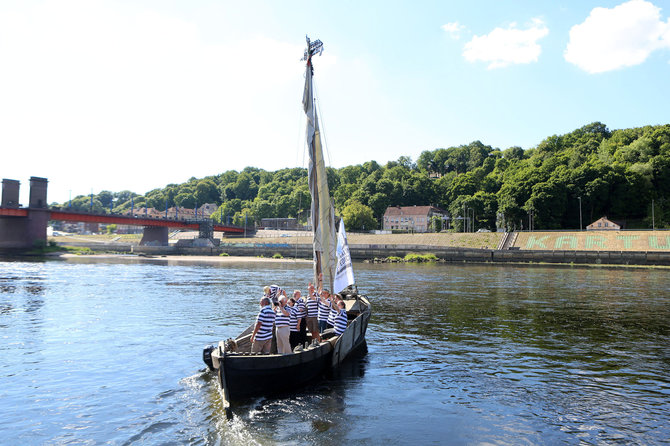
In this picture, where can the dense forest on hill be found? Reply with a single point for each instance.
(616, 173)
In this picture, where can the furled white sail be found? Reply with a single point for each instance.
(323, 215)
(344, 274)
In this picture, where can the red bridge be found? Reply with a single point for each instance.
(22, 227)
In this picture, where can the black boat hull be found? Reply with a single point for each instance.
(243, 374)
(251, 375)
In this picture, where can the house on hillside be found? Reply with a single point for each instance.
(411, 218)
(604, 224)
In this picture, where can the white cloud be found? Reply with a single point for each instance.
(503, 47)
(620, 37)
(454, 29)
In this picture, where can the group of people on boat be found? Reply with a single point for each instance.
(289, 319)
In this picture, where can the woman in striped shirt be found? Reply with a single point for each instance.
(341, 318)
(312, 312)
(324, 308)
(261, 339)
(282, 327)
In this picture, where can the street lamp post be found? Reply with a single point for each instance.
(464, 219)
(580, 213)
(472, 224)
(653, 220)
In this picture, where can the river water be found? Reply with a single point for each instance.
(109, 351)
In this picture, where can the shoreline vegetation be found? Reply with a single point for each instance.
(409, 258)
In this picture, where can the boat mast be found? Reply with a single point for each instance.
(323, 221)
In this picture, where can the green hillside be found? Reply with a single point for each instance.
(616, 173)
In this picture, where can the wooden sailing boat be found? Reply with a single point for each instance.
(242, 373)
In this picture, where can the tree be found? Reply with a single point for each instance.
(105, 197)
(245, 187)
(436, 223)
(262, 209)
(462, 185)
(378, 203)
(185, 200)
(285, 207)
(357, 216)
(477, 153)
(457, 159)
(417, 189)
(206, 191)
(486, 209)
(513, 153)
(351, 174)
(82, 203)
(344, 193)
(406, 162)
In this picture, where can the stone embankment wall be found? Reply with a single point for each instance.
(594, 241)
(586, 247)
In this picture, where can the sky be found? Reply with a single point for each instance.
(134, 95)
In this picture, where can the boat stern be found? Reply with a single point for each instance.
(207, 356)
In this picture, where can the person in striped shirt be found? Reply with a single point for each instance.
(312, 312)
(294, 324)
(302, 314)
(324, 308)
(332, 313)
(282, 331)
(341, 318)
(261, 338)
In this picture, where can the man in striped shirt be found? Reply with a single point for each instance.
(282, 323)
(312, 312)
(294, 324)
(341, 318)
(324, 308)
(302, 315)
(261, 338)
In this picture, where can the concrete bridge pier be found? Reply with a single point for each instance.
(155, 236)
(22, 232)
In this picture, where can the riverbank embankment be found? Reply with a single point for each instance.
(585, 247)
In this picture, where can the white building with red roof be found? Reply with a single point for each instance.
(411, 218)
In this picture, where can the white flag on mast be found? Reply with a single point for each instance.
(344, 275)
